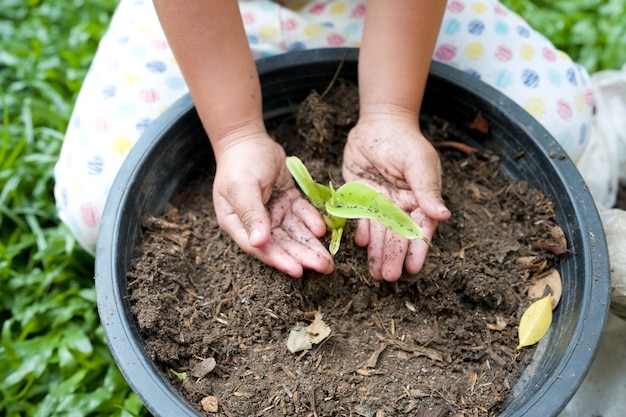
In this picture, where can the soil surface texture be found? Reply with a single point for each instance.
(439, 343)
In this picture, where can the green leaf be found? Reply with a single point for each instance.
(335, 241)
(317, 193)
(76, 339)
(355, 200)
(180, 375)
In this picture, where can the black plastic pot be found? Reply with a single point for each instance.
(164, 157)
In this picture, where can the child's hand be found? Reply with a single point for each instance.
(251, 173)
(390, 153)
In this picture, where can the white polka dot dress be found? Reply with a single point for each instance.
(134, 78)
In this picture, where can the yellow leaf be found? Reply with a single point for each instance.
(535, 322)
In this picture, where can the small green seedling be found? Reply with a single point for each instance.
(353, 200)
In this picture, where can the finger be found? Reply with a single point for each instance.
(252, 214)
(291, 241)
(309, 255)
(395, 250)
(297, 231)
(424, 178)
(362, 233)
(287, 255)
(375, 249)
(231, 224)
(418, 249)
(270, 253)
(228, 220)
(310, 216)
(277, 257)
(416, 256)
(432, 204)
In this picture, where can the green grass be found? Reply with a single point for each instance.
(592, 32)
(53, 357)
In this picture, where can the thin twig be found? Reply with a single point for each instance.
(466, 149)
(335, 76)
(312, 399)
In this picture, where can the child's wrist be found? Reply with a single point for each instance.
(389, 113)
(226, 136)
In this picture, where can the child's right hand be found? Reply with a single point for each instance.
(251, 178)
(389, 152)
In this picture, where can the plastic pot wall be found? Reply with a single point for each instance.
(174, 144)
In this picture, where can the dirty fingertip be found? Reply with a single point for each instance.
(257, 238)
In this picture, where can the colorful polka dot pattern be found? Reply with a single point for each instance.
(277, 27)
(483, 38)
(134, 78)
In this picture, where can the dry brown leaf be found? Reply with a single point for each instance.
(298, 340)
(533, 263)
(430, 353)
(548, 282)
(557, 234)
(303, 338)
(480, 124)
(318, 330)
(203, 367)
(554, 247)
(373, 359)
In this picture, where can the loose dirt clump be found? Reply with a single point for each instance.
(440, 343)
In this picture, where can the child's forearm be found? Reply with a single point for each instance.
(398, 41)
(211, 48)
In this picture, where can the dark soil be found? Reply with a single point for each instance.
(440, 343)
